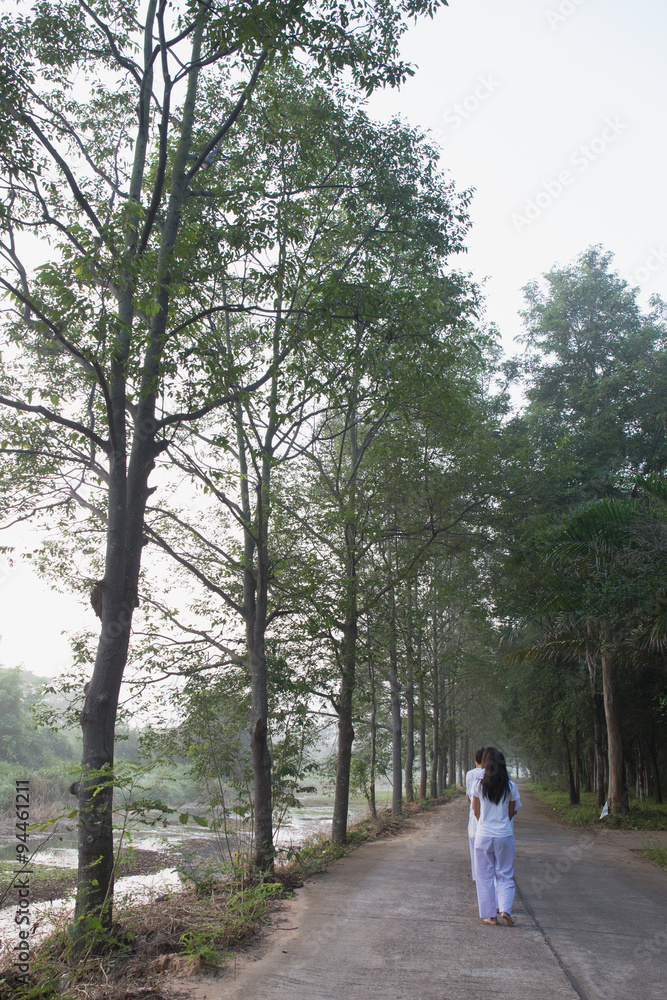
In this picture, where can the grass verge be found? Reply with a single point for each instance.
(644, 814)
(189, 932)
(655, 853)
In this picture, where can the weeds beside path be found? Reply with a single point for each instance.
(656, 853)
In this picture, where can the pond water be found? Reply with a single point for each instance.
(60, 849)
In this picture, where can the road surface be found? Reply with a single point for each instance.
(397, 920)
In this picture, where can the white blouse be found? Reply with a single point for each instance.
(494, 818)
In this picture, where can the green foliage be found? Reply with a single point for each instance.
(556, 796)
(586, 571)
(49, 786)
(22, 742)
(294, 734)
(211, 746)
(250, 903)
(200, 945)
(596, 372)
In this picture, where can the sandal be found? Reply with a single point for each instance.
(510, 921)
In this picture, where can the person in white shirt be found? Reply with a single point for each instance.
(471, 777)
(495, 800)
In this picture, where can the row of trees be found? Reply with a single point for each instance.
(241, 268)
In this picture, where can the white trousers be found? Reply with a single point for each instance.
(471, 841)
(494, 872)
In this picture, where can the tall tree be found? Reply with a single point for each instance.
(382, 474)
(595, 382)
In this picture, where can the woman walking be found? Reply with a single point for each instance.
(495, 802)
(471, 777)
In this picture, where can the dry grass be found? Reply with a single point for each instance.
(181, 934)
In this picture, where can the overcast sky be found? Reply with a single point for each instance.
(553, 110)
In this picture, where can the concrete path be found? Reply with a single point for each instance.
(397, 920)
(600, 907)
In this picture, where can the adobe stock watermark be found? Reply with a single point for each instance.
(578, 163)
(459, 113)
(554, 871)
(21, 883)
(655, 261)
(648, 951)
(564, 10)
(10, 554)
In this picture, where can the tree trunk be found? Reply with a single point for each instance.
(344, 706)
(95, 788)
(598, 712)
(409, 712)
(409, 738)
(396, 734)
(574, 794)
(255, 609)
(373, 724)
(127, 505)
(258, 613)
(600, 756)
(349, 645)
(447, 713)
(345, 736)
(589, 770)
(259, 701)
(435, 745)
(423, 765)
(396, 762)
(657, 788)
(617, 798)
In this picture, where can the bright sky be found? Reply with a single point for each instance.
(553, 111)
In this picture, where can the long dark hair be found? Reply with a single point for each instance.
(496, 780)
